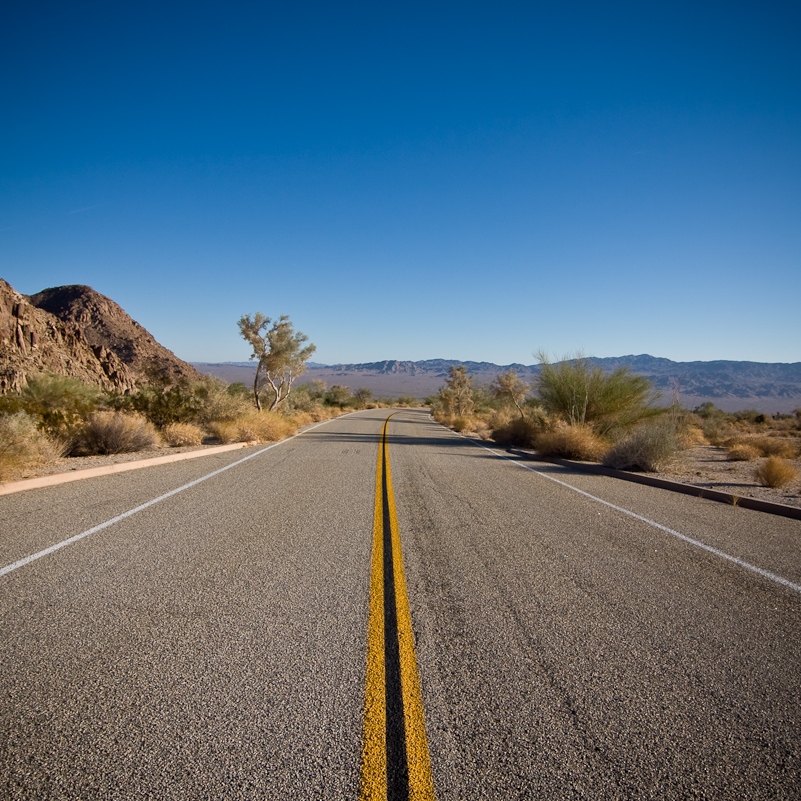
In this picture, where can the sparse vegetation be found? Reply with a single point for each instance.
(764, 445)
(23, 445)
(572, 442)
(650, 446)
(775, 472)
(264, 427)
(742, 452)
(183, 434)
(116, 432)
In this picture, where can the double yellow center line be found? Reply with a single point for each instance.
(395, 760)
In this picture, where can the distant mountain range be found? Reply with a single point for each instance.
(729, 385)
(75, 331)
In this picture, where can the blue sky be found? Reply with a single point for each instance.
(472, 181)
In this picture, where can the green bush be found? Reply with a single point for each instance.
(59, 403)
(583, 395)
(164, 403)
(339, 396)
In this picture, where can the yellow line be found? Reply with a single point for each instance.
(374, 757)
(421, 784)
(374, 748)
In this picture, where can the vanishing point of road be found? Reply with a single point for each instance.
(381, 608)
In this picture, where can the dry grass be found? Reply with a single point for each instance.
(266, 427)
(116, 432)
(23, 446)
(463, 422)
(765, 445)
(775, 472)
(254, 427)
(691, 435)
(742, 452)
(517, 431)
(572, 442)
(650, 447)
(183, 434)
(226, 431)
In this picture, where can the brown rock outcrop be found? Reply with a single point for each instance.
(77, 332)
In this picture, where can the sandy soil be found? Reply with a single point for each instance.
(707, 466)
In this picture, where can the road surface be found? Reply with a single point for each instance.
(209, 635)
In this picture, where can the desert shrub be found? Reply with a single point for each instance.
(583, 395)
(650, 447)
(339, 396)
(319, 413)
(226, 431)
(688, 436)
(182, 434)
(163, 403)
(60, 403)
(23, 445)
(116, 432)
(775, 446)
(303, 399)
(752, 416)
(775, 472)
(572, 442)
(462, 422)
(408, 400)
(742, 452)
(716, 424)
(363, 397)
(508, 428)
(765, 446)
(254, 427)
(217, 401)
(517, 431)
(302, 419)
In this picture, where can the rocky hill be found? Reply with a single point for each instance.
(75, 331)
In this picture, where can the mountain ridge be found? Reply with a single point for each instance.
(768, 386)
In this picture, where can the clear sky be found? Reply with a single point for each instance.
(470, 181)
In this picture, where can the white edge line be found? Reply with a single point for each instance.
(697, 543)
(53, 548)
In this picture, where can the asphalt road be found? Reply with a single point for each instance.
(214, 644)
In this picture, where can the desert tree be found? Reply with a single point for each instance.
(363, 396)
(456, 396)
(509, 387)
(279, 353)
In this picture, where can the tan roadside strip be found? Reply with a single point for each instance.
(674, 486)
(122, 467)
